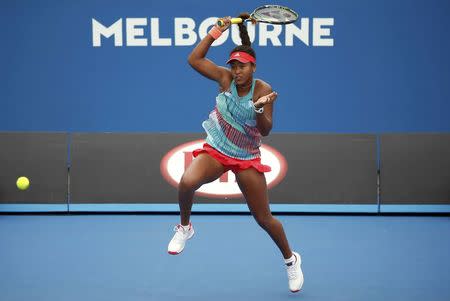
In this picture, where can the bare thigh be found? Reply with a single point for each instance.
(254, 188)
(203, 169)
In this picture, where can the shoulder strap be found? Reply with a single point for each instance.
(253, 87)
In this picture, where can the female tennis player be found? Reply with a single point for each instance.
(243, 113)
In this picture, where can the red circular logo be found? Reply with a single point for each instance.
(177, 160)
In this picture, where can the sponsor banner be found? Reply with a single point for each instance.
(129, 171)
(98, 66)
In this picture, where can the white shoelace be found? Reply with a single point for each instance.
(292, 272)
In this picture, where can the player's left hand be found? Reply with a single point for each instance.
(266, 99)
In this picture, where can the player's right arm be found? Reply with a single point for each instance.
(206, 67)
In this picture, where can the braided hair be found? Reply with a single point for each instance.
(245, 39)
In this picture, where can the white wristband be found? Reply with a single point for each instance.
(259, 111)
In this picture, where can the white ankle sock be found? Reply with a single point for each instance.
(290, 260)
(186, 227)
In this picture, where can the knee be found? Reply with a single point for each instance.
(265, 221)
(187, 184)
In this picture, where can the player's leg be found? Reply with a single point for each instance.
(254, 188)
(202, 170)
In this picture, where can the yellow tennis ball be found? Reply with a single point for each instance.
(23, 183)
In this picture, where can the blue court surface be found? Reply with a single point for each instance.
(124, 257)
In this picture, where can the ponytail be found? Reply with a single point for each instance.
(243, 33)
(245, 38)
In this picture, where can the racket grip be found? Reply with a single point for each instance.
(233, 21)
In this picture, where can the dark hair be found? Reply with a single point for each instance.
(245, 39)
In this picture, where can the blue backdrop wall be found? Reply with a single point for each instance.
(388, 69)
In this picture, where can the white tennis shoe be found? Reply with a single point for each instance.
(176, 245)
(295, 274)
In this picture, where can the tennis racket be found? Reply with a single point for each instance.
(272, 14)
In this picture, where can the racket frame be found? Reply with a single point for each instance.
(253, 14)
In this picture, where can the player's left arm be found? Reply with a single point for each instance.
(266, 98)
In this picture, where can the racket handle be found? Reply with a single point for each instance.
(233, 21)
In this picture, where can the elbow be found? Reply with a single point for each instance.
(190, 60)
(193, 62)
(265, 131)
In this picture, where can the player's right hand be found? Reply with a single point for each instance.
(226, 23)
